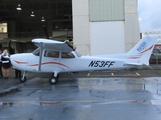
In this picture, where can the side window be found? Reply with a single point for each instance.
(67, 55)
(53, 54)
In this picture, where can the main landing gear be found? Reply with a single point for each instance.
(53, 80)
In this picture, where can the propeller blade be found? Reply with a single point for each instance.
(10, 49)
(46, 32)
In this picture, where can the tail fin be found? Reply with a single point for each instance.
(142, 50)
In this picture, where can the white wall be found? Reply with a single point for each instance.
(107, 37)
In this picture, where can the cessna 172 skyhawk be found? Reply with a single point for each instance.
(58, 57)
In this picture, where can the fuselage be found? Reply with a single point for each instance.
(32, 62)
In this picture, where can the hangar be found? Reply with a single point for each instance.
(24, 19)
(97, 26)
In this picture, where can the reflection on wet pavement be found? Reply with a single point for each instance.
(84, 98)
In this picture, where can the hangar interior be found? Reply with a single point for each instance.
(92, 23)
(23, 20)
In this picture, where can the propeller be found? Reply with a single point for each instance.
(46, 32)
(0, 46)
(10, 49)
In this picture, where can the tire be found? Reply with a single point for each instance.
(22, 79)
(53, 80)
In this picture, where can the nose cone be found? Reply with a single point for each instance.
(13, 59)
(19, 61)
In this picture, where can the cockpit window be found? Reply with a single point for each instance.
(36, 52)
(54, 54)
(67, 55)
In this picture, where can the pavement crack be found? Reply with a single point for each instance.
(32, 92)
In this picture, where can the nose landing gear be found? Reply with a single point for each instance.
(23, 78)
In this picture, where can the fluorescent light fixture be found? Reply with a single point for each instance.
(3, 23)
(42, 19)
(19, 7)
(32, 14)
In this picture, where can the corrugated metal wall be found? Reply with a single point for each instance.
(106, 10)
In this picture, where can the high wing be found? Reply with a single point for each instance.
(52, 44)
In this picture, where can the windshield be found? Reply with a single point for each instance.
(67, 55)
(36, 52)
(78, 54)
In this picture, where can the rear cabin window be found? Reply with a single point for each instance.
(53, 54)
(67, 55)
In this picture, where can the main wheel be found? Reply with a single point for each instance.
(22, 79)
(53, 80)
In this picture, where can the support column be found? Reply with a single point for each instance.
(81, 27)
(132, 32)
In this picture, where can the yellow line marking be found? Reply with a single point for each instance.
(112, 74)
(88, 74)
(137, 74)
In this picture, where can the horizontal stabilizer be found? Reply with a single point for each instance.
(138, 64)
(133, 64)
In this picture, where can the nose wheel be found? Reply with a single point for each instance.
(23, 78)
(53, 80)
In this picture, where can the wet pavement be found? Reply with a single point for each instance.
(112, 95)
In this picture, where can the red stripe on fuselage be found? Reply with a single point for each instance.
(50, 63)
(18, 62)
(133, 57)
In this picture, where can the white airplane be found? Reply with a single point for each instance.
(58, 57)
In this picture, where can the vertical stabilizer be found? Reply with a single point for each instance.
(141, 52)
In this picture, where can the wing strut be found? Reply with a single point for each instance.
(40, 59)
